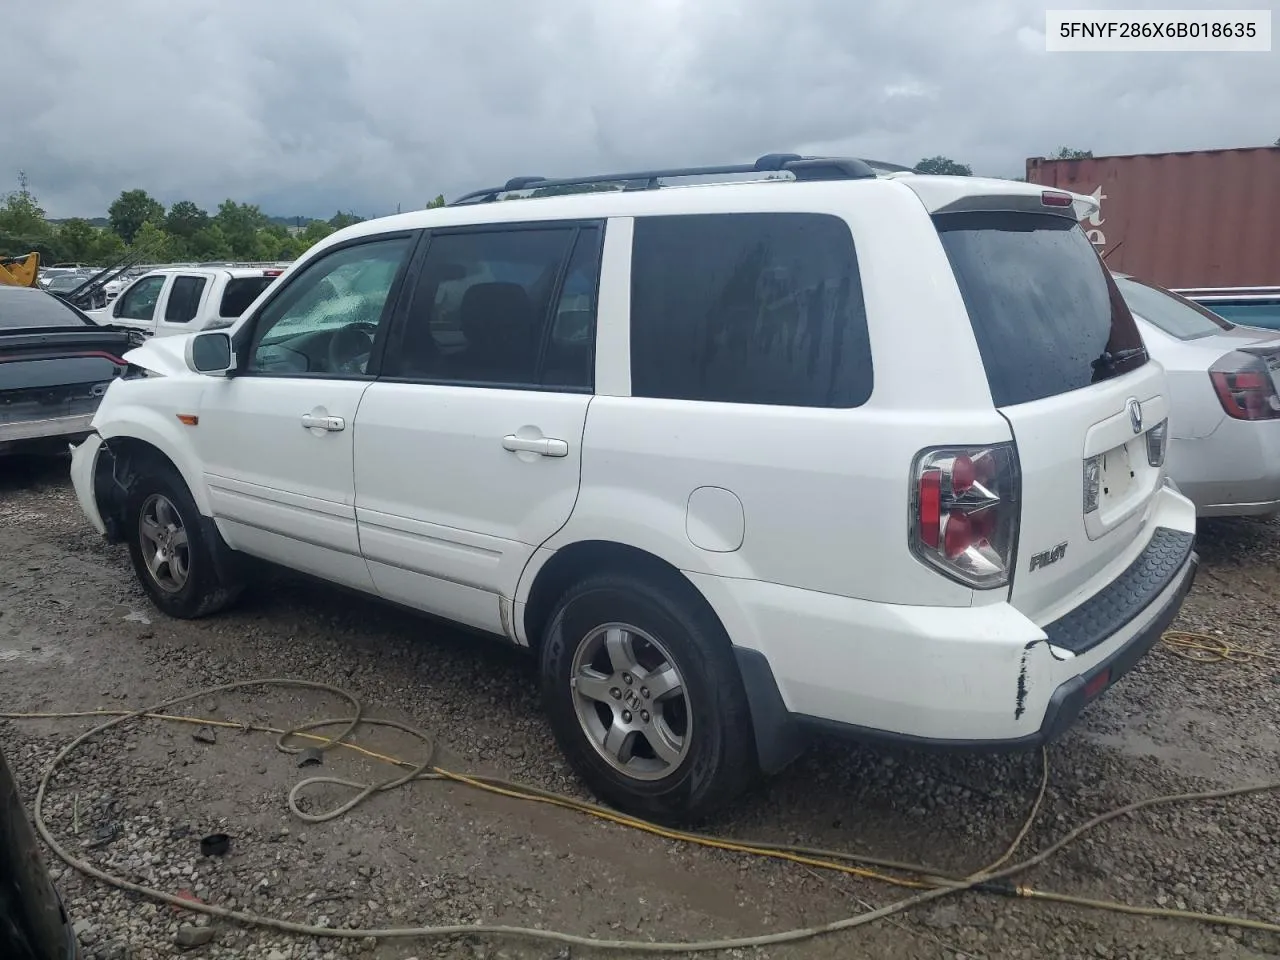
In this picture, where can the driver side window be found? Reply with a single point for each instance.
(326, 320)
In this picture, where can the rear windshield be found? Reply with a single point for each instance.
(1174, 315)
(1046, 314)
(1250, 313)
(240, 292)
(22, 307)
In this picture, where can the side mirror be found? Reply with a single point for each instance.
(210, 354)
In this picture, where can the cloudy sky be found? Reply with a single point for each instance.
(307, 106)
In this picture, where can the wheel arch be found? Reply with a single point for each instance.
(777, 738)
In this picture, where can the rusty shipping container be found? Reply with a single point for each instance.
(1208, 218)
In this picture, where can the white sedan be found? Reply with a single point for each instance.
(1224, 419)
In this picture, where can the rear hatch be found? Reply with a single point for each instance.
(1068, 370)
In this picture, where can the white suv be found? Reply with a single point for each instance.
(879, 454)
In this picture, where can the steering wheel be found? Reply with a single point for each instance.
(350, 347)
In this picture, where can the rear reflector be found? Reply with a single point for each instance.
(1097, 683)
(1051, 199)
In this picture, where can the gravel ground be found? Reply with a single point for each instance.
(77, 634)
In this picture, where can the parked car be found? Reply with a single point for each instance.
(730, 480)
(55, 367)
(182, 300)
(34, 924)
(1249, 306)
(65, 284)
(1224, 418)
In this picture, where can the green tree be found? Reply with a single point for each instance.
(185, 220)
(1070, 153)
(240, 223)
(210, 244)
(153, 244)
(77, 239)
(945, 166)
(23, 227)
(107, 248)
(437, 202)
(314, 232)
(340, 220)
(131, 210)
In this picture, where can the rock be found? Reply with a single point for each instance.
(277, 955)
(515, 752)
(86, 930)
(942, 917)
(190, 936)
(205, 735)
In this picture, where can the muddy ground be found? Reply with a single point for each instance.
(77, 634)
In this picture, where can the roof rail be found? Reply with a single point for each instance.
(802, 168)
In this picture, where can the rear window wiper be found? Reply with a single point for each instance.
(1111, 360)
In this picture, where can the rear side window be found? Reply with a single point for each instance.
(1046, 314)
(184, 299)
(240, 292)
(748, 308)
(1171, 313)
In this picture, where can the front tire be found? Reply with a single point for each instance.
(171, 554)
(645, 698)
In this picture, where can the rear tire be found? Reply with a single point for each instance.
(171, 554)
(645, 698)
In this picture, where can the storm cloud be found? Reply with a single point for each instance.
(307, 106)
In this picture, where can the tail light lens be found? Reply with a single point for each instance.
(1157, 441)
(1244, 387)
(964, 512)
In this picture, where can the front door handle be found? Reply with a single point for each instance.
(311, 422)
(545, 446)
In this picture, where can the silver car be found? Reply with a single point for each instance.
(1224, 418)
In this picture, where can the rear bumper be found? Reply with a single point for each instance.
(43, 429)
(979, 677)
(1069, 698)
(1233, 472)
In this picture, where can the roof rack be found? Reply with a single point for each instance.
(802, 168)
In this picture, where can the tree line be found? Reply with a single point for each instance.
(138, 224)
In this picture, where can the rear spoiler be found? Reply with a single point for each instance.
(962, 194)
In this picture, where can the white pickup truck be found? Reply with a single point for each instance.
(186, 299)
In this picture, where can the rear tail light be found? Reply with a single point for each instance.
(1092, 483)
(1244, 387)
(964, 512)
(1157, 442)
(272, 273)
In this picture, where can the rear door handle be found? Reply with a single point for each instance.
(546, 446)
(312, 422)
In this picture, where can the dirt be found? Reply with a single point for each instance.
(76, 634)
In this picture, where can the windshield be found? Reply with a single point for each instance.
(23, 307)
(1173, 314)
(66, 282)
